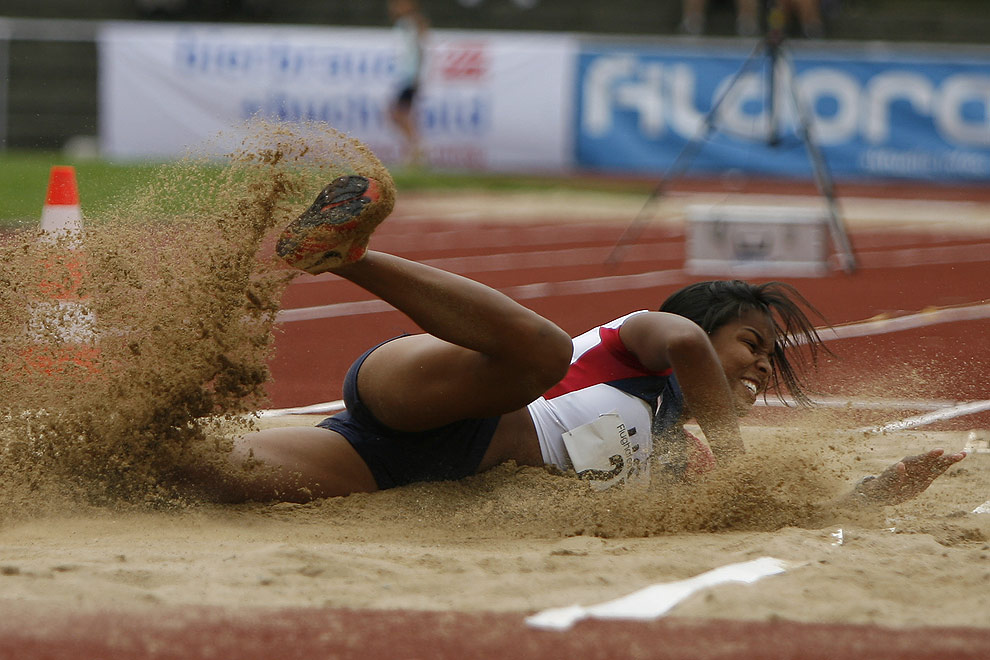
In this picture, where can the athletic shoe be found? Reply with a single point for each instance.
(334, 231)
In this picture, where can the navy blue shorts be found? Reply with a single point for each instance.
(397, 458)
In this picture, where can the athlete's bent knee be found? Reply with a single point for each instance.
(551, 357)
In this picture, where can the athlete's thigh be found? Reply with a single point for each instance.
(420, 382)
(299, 463)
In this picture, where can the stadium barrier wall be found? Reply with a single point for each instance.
(558, 101)
(491, 101)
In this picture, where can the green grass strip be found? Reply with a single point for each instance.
(24, 183)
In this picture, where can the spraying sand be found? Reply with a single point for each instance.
(181, 289)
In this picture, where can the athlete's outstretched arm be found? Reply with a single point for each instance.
(660, 341)
(904, 480)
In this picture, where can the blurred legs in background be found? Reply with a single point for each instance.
(807, 13)
(747, 17)
(411, 28)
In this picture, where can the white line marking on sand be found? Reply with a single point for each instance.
(656, 600)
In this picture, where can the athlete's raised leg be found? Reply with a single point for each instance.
(483, 355)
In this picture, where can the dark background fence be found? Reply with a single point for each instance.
(50, 52)
(923, 20)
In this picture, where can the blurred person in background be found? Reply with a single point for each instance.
(522, 4)
(809, 16)
(411, 28)
(780, 14)
(747, 17)
(807, 13)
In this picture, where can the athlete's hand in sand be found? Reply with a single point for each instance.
(905, 479)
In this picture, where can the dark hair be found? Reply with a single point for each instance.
(713, 304)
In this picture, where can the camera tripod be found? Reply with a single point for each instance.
(771, 46)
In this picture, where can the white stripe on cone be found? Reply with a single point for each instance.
(67, 318)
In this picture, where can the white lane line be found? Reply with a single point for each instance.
(327, 408)
(974, 312)
(503, 237)
(661, 251)
(591, 256)
(969, 408)
(596, 284)
(863, 403)
(655, 253)
(859, 403)
(333, 310)
(939, 414)
(888, 240)
(521, 292)
(925, 256)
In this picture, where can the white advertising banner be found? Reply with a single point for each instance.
(488, 100)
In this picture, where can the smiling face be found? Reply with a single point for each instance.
(744, 346)
(715, 306)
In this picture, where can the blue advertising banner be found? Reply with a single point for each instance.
(873, 115)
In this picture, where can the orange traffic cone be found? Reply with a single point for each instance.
(61, 215)
(61, 318)
(61, 221)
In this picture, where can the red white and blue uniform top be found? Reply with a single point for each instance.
(605, 377)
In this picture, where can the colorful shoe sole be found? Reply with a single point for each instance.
(334, 231)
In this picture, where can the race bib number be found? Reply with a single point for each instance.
(602, 452)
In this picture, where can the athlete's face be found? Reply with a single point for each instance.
(744, 347)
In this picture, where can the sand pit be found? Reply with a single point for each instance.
(524, 540)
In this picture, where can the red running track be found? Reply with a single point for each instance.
(199, 633)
